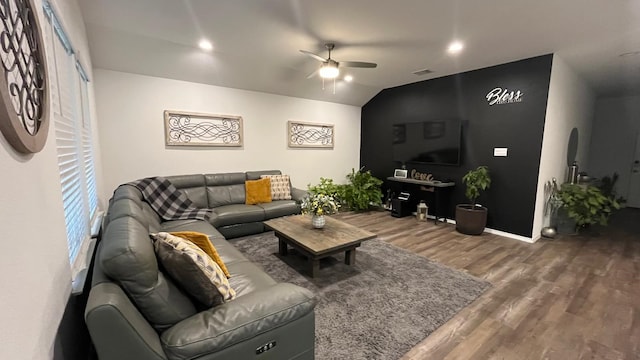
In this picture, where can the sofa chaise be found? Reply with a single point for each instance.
(136, 311)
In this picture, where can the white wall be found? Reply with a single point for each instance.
(130, 108)
(35, 275)
(616, 126)
(570, 104)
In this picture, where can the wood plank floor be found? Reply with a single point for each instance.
(573, 297)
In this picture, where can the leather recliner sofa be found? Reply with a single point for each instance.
(135, 311)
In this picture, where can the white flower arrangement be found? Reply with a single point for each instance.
(319, 204)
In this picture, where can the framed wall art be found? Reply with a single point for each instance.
(24, 85)
(310, 135)
(196, 129)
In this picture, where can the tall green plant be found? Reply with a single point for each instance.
(327, 187)
(362, 190)
(586, 204)
(476, 180)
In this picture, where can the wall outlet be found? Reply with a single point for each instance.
(500, 151)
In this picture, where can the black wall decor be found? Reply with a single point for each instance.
(502, 106)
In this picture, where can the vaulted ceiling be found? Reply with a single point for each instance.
(256, 43)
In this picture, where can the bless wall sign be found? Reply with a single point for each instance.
(500, 96)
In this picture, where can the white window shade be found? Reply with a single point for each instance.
(87, 146)
(70, 116)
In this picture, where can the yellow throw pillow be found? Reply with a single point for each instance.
(202, 241)
(257, 191)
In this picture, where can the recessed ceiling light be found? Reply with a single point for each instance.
(348, 78)
(455, 47)
(205, 45)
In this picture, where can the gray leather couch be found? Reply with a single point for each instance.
(137, 312)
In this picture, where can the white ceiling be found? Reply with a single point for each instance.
(256, 42)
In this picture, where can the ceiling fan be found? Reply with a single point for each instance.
(330, 68)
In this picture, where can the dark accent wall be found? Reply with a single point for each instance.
(517, 126)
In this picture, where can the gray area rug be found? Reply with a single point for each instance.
(378, 309)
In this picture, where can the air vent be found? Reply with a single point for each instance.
(422, 72)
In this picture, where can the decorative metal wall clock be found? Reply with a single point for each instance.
(24, 106)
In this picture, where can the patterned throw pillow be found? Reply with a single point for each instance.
(202, 241)
(280, 186)
(193, 269)
(257, 191)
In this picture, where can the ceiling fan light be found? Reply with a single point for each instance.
(329, 71)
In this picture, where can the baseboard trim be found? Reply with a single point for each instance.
(511, 236)
(500, 233)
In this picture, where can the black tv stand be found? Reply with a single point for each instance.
(439, 189)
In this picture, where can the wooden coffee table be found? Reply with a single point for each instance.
(334, 238)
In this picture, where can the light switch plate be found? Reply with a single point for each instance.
(500, 151)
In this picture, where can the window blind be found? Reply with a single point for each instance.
(70, 116)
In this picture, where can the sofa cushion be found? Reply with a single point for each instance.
(257, 191)
(248, 277)
(279, 208)
(202, 241)
(191, 225)
(280, 186)
(127, 256)
(193, 269)
(228, 253)
(193, 186)
(225, 189)
(237, 214)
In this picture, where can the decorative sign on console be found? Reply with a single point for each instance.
(195, 129)
(500, 96)
(310, 135)
(421, 176)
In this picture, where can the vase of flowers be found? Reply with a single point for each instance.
(318, 221)
(319, 205)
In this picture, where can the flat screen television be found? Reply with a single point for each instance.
(428, 142)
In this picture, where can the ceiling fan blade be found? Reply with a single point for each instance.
(314, 73)
(358, 64)
(317, 57)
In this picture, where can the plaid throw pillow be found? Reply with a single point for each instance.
(280, 186)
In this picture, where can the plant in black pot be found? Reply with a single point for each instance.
(471, 219)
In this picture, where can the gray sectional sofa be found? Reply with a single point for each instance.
(135, 311)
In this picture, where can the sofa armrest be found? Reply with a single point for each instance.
(237, 321)
(298, 194)
(118, 330)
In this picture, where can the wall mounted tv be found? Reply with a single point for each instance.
(428, 142)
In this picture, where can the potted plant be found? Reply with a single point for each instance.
(586, 205)
(471, 219)
(319, 205)
(362, 191)
(327, 187)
